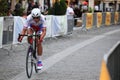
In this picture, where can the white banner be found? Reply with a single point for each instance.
(18, 26)
(49, 26)
(59, 25)
(1, 31)
(56, 26)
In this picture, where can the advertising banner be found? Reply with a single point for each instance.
(59, 25)
(89, 20)
(1, 31)
(99, 19)
(49, 26)
(18, 26)
(8, 23)
(119, 17)
(108, 18)
(116, 17)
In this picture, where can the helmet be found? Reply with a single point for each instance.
(36, 12)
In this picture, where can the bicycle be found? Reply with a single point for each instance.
(31, 58)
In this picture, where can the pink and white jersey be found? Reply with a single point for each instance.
(30, 23)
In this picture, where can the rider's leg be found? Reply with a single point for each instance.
(29, 31)
(39, 49)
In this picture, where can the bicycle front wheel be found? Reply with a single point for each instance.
(29, 62)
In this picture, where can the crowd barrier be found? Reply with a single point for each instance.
(10, 27)
(110, 69)
(59, 25)
(8, 24)
(99, 19)
(70, 23)
(1, 31)
(56, 25)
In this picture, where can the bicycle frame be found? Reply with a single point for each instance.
(31, 49)
(34, 37)
(33, 45)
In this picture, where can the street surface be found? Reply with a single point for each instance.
(72, 57)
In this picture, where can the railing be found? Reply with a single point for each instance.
(99, 19)
(110, 69)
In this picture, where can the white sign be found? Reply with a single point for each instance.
(48, 25)
(18, 26)
(59, 25)
(1, 31)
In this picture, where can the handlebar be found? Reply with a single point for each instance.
(29, 35)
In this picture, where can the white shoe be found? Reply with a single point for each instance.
(39, 65)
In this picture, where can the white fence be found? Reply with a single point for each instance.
(1, 30)
(56, 26)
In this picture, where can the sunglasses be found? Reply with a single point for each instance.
(36, 17)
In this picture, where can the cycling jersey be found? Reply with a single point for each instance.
(30, 23)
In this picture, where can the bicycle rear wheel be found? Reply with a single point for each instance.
(29, 62)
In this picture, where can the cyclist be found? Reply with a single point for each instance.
(35, 22)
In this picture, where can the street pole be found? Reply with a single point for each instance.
(13, 2)
(91, 4)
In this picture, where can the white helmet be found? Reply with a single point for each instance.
(36, 12)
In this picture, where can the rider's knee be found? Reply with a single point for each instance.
(30, 40)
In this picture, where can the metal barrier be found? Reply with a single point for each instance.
(99, 19)
(70, 22)
(108, 18)
(113, 63)
(94, 20)
(118, 17)
(110, 69)
(8, 30)
(1, 31)
(84, 21)
(112, 18)
(103, 18)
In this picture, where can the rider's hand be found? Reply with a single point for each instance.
(19, 38)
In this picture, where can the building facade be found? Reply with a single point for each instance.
(104, 5)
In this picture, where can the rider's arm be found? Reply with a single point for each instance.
(24, 30)
(22, 33)
(44, 28)
(43, 33)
